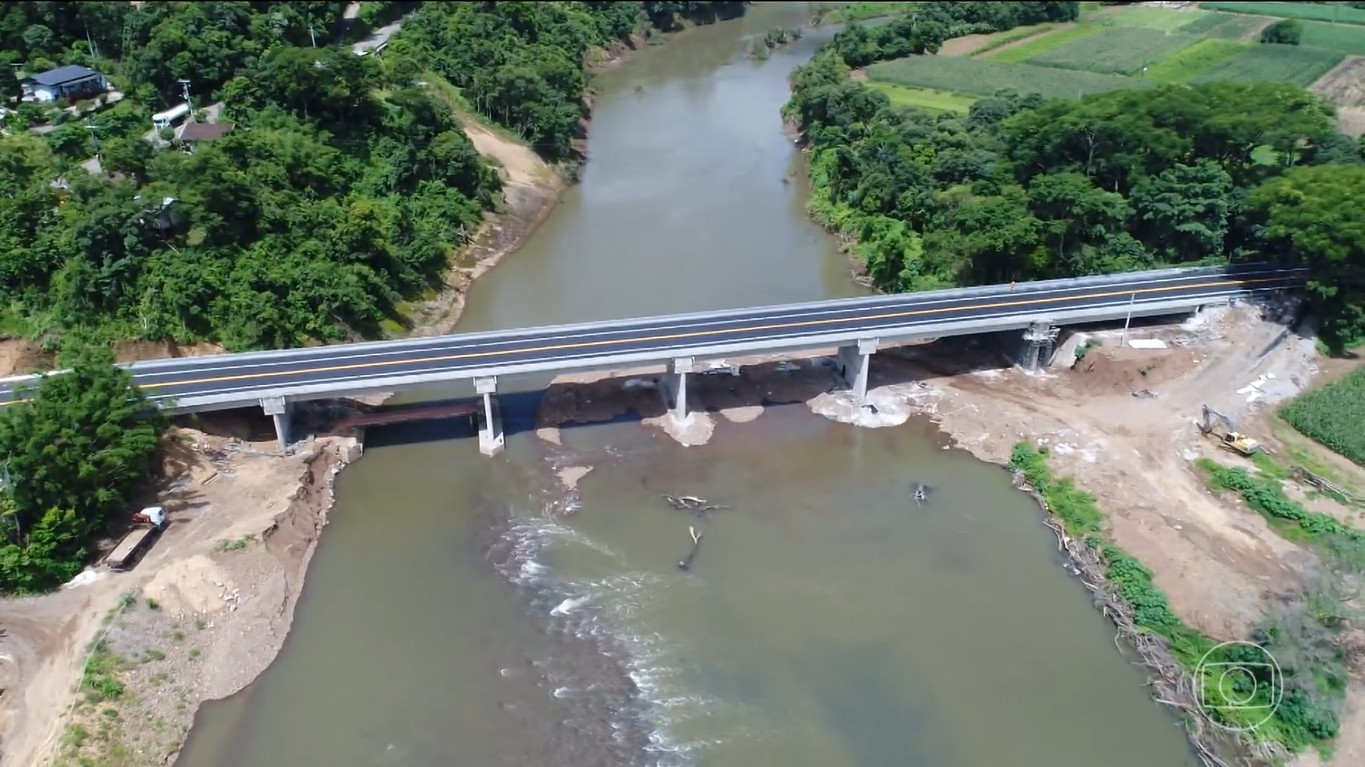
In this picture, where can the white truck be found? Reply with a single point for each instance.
(146, 525)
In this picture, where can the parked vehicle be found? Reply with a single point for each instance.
(147, 524)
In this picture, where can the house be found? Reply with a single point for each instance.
(189, 133)
(69, 82)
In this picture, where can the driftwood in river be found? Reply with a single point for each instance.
(920, 492)
(686, 564)
(693, 504)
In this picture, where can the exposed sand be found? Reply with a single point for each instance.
(209, 606)
(1216, 559)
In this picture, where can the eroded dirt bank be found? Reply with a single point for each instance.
(203, 613)
(1217, 560)
(208, 608)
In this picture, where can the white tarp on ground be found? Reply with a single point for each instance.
(1147, 343)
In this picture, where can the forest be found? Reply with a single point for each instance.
(1021, 188)
(343, 187)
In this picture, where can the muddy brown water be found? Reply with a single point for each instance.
(453, 616)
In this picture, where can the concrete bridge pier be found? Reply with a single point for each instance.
(1035, 350)
(673, 387)
(490, 423)
(283, 413)
(853, 364)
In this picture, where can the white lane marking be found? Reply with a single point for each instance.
(465, 366)
(336, 359)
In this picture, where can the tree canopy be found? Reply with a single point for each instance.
(344, 187)
(74, 453)
(1021, 188)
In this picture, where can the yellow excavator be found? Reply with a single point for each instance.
(1229, 437)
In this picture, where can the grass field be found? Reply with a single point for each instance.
(1116, 50)
(1313, 11)
(1153, 18)
(1223, 26)
(1188, 63)
(1001, 39)
(922, 98)
(983, 77)
(1274, 64)
(1028, 50)
(1348, 38)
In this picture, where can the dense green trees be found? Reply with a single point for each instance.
(933, 22)
(345, 187)
(1025, 189)
(74, 453)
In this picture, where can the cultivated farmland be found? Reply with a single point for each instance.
(1349, 38)
(1027, 50)
(1147, 17)
(1187, 64)
(1223, 26)
(1332, 415)
(1274, 64)
(983, 77)
(1314, 11)
(1116, 50)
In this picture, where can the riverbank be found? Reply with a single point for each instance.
(1217, 561)
(209, 607)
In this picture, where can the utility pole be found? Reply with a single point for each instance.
(1132, 300)
(93, 137)
(312, 36)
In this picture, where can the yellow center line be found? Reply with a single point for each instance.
(677, 336)
(689, 334)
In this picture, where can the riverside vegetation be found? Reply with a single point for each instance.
(1307, 634)
(1022, 187)
(346, 186)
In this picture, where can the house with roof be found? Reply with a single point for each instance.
(189, 134)
(69, 82)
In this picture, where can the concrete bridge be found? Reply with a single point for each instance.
(858, 327)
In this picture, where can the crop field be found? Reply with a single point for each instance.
(1307, 11)
(1348, 38)
(983, 77)
(922, 98)
(1332, 415)
(1188, 63)
(1116, 50)
(1223, 26)
(1154, 18)
(1274, 64)
(1025, 51)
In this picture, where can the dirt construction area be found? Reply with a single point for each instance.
(1121, 420)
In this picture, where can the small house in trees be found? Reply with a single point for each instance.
(69, 82)
(189, 134)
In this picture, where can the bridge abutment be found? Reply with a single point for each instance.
(491, 437)
(673, 387)
(854, 363)
(282, 412)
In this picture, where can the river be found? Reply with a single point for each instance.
(450, 618)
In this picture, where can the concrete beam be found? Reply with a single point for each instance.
(491, 437)
(673, 387)
(282, 411)
(854, 362)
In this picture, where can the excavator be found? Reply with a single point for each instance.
(1230, 438)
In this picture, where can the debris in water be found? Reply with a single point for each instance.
(920, 493)
(686, 564)
(698, 506)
